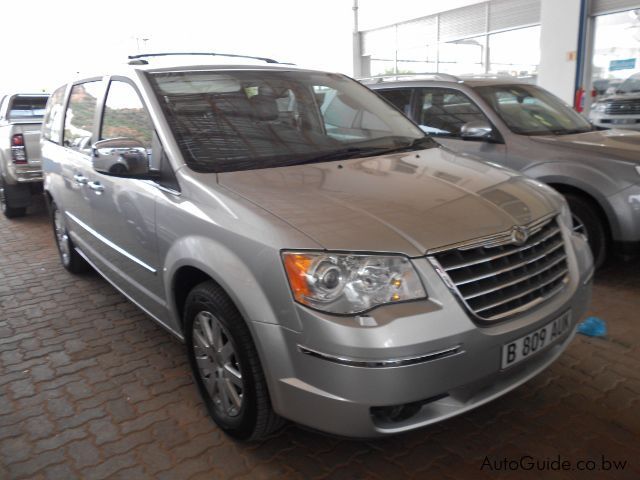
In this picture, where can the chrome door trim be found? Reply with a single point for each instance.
(109, 243)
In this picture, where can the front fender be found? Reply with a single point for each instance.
(249, 288)
(596, 183)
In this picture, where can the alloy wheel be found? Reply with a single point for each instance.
(62, 237)
(578, 226)
(218, 364)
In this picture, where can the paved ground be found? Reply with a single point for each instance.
(91, 388)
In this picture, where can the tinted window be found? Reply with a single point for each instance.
(125, 116)
(239, 120)
(400, 97)
(445, 111)
(23, 107)
(52, 123)
(80, 116)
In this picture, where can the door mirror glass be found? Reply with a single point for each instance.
(121, 157)
(476, 130)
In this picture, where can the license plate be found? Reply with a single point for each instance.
(536, 341)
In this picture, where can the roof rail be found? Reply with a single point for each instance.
(405, 76)
(140, 58)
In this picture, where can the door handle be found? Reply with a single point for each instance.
(80, 179)
(96, 187)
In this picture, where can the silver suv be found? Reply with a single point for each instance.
(620, 110)
(323, 260)
(526, 128)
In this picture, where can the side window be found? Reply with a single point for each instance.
(52, 122)
(80, 116)
(399, 97)
(125, 116)
(445, 111)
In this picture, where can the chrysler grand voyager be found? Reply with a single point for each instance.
(323, 260)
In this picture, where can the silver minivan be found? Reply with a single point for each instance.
(323, 260)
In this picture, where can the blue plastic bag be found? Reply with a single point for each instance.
(593, 327)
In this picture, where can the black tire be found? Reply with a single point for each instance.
(5, 205)
(254, 418)
(71, 260)
(592, 225)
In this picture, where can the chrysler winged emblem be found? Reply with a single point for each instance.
(519, 235)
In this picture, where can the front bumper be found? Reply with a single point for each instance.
(459, 368)
(627, 122)
(625, 205)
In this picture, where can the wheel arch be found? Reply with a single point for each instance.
(565, 189)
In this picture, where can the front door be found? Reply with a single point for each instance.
(79, 126)
(124, 208)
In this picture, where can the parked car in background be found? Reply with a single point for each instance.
(605, 86)
(620, 110)
(526, 128)
(20, 163)
(322, 258)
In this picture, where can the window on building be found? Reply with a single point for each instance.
(616, 52)
(515, 52)
(463, 56)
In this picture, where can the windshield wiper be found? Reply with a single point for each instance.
(570, 131)
(360, 152)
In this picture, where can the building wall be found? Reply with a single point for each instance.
(375, 14)
(560, 24)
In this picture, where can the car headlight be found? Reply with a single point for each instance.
(600, 107)
(350, 283)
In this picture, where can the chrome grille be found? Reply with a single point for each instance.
(495, 282)
(623, 107)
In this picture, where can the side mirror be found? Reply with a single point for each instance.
(121, 157)
(476, 130)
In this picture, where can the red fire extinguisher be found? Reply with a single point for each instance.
(579, 100)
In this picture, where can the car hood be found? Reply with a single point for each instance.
(613, 144)
(620, 96)
(405, 203)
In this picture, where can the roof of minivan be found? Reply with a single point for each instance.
(189, 63)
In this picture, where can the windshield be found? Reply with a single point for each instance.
(238, 120)
(530, 110)
(27, 107)
(630, 85)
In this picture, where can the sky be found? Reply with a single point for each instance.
(56, 39)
